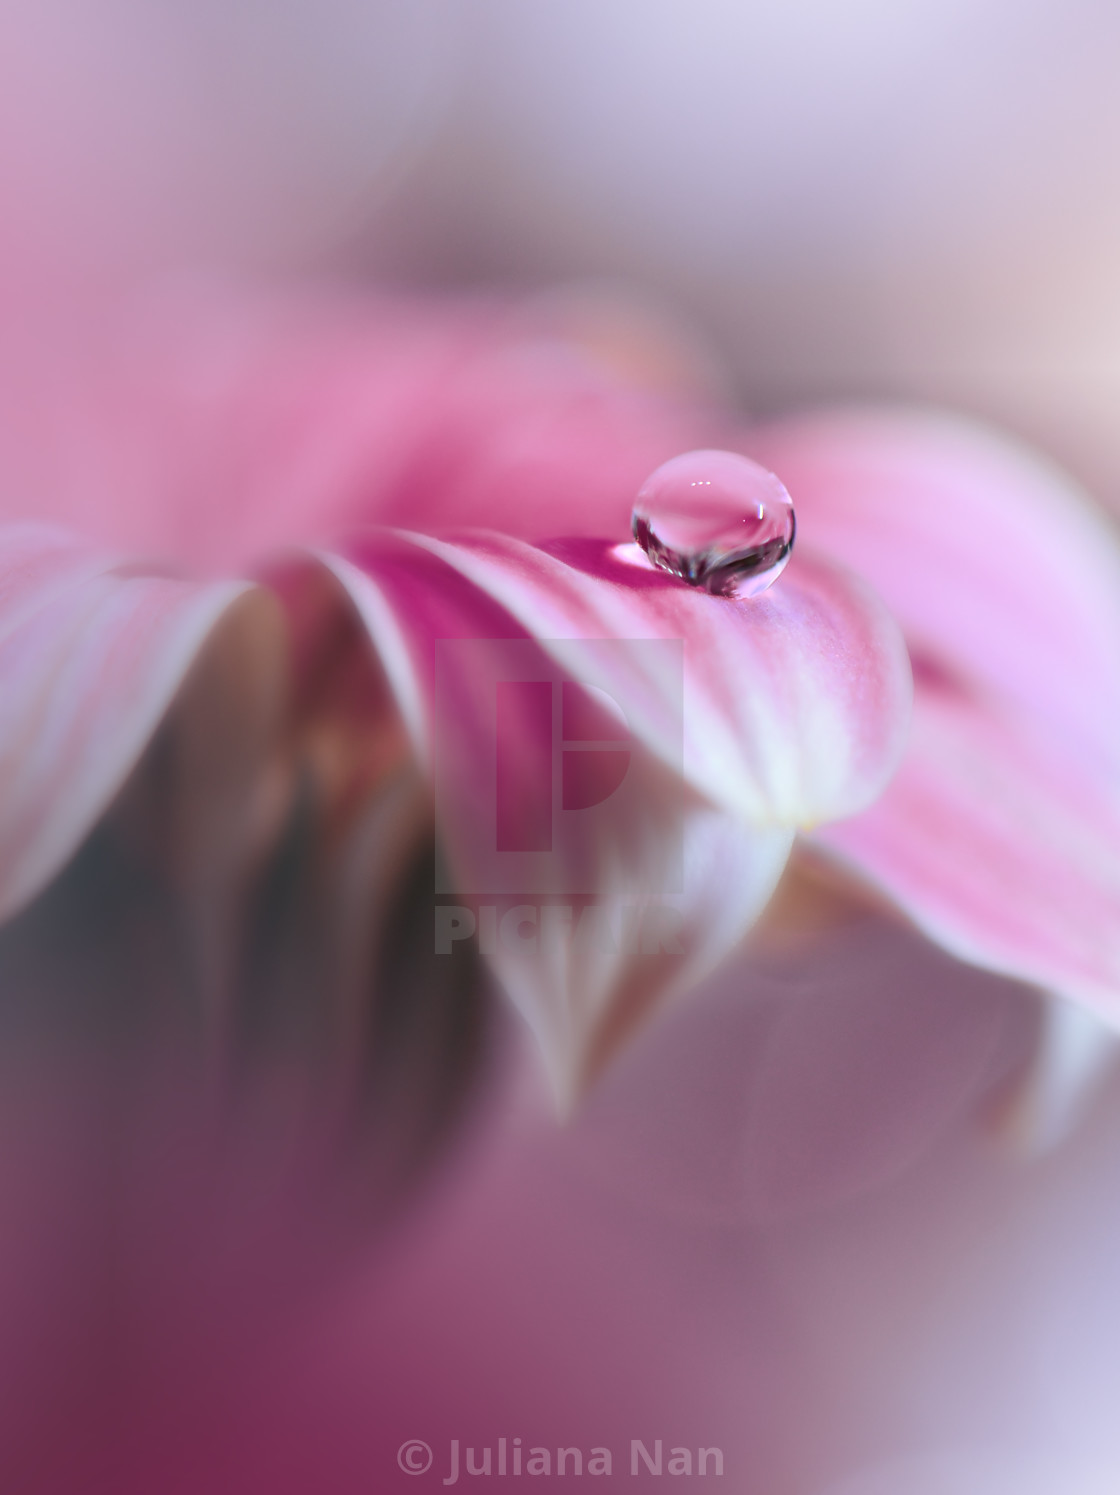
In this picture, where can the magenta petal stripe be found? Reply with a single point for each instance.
(796, 703)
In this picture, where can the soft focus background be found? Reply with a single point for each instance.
(915, 199)
(889, 200)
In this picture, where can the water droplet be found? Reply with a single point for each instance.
(716, 520)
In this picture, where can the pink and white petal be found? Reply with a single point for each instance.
(796, 703)
(761, 684)
(1074, 1053)
(1004, 576)
(91, 655)
(595, 970)
(999, 835)
(218, 425)
(993, 843)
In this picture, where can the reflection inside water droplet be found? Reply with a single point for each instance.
(716, 520)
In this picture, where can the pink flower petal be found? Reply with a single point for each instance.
(998, 848)
(794, 708)
(219, 427)
(1000, 835)
(796, 702)
(91, 655)
(1005, 579)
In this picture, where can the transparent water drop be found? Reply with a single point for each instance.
(716, 520)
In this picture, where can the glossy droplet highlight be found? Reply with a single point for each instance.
(716, 520)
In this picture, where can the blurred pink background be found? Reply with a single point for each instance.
(906, 200)
(913, 199)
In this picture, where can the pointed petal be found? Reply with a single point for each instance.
(1000, 835)
(792, 709)
(1003, 575)
(585, 998)
(998, 847)
(91, 655)
(797, 702)
(1074, 1055)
